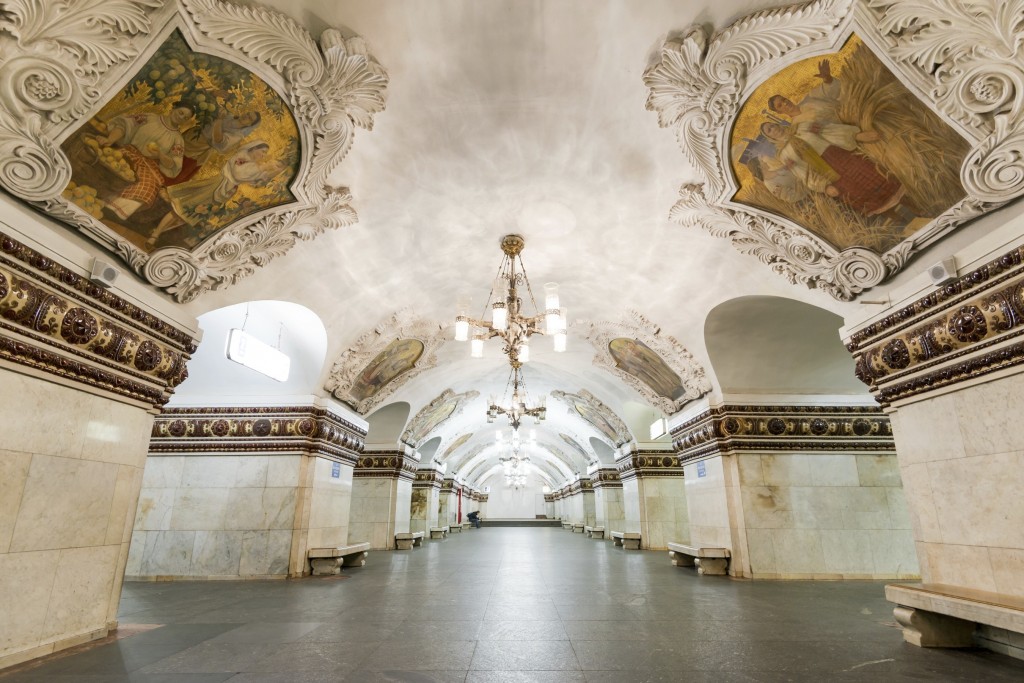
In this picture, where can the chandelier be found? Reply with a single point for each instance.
(519, 406)
(507, 319)
(515, 464)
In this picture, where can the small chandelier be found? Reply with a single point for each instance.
(507, 320)
(515, 477)
(520, 405)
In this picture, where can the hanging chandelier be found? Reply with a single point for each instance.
(514, 465)
(507, 319)
(519, 406)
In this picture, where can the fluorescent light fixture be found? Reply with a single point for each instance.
(659, 428)
(247, 350)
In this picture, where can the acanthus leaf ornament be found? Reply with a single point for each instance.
(962, 59)
(66, 58)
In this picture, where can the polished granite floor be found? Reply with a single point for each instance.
(512, 604)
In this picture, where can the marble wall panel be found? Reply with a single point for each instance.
(631, 505)
(216, 553)
(25, 594)
(14, 469)
(330, 503)
(707, 504)
(81, 590)
(664, 515)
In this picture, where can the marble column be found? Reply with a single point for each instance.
(608, 510)
(382, 497)
(946, 364)
(84, 371)
(654, 498)
(426, 499)
(244, 491)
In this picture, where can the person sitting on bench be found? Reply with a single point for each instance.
(474, 518)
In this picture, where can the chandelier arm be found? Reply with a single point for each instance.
(528, 287)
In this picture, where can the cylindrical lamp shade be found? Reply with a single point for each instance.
(551, 295)
(524, 353)
(476, 348)
(461, 328)
(499, 316)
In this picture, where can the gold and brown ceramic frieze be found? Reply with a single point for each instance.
(56, 321)
(607, 477)
(648, 464)
(386, 464)
(970, 327)
(305, 429)
(730, 428)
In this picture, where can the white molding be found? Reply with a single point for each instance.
(401, 325)
(72, 57)
(961, 60)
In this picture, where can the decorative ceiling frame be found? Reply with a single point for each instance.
(401, 325)
(573, 442)
(963, 60)
(67, 59)
(418, 430)
(622, 433)
(635, 326)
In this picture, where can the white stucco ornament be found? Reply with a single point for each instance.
(963, 61)
(60, 62)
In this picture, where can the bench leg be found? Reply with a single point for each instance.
(616, 541)
(680, 559)
(597, 534)
(354, 560)
(928, 629)
(631, 543)
(326, 566)
(404, 544)
(713, 566)
(417, 541)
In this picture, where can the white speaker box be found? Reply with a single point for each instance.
(943, 272)
(103, 274)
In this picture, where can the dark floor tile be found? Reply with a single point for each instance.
(522, 630)
(524, 655)
(448, 655)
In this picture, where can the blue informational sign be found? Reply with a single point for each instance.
(701, 471)
(336, 470)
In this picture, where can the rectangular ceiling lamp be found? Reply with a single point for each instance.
(247, 350)
(659, 428)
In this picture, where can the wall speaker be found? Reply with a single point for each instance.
(943, 272)
(103, 274)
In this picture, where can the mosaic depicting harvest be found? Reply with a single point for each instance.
(398, 357)
(636, 358)
(190, 145)
(839, 146)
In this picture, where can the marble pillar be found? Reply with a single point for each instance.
(426, 499)
(381, 498)
(654, 498)
(608, 507)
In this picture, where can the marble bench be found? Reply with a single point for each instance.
(438, 531)
(567, 525)
(328, 561)
(629, 540)
(406, 540)
(467, 525)
(937, 615)
(455, 529)
(713, 561)
(594, 531)
(577, 528)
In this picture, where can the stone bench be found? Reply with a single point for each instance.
(406, 540)
(937, 615)
(594, 531)
(438, 531)
(467, 525)
(328, 561)
(713, 561)
(455, 529)
(577, 528)
(629, 540)
(567, 525)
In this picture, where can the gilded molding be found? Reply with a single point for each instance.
(607, 478)
(426, 479)
(306, 429)
(641, 464)
(386, 465)
(955, 333)
(734, 428)
(56, 321)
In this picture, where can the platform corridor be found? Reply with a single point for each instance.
(510, 604)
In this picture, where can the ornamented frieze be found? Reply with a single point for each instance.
(386, 464)
(648, 464)
(732, 428)
(747, 103)
(607, 478)
(56, 321)
(970, 327)
(430, 478)
(304, 429)
(549, 498)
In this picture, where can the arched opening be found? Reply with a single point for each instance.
(386, 424)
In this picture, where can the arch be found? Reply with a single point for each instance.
(429, 448)
(387, 422)
(603, 451)
(297, 331)
(767, 344)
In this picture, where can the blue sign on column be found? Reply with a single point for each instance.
(701, 471)
(336, 470)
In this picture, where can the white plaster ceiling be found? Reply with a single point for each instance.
(516, 116)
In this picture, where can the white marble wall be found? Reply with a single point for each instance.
(215, 516)
(821, 516)
(329, 502)
(381, 507)
(423, 509)
(708, 495)
(961, 457)
(663, 513)
(631, 509)
(71, 467)
(608, 509)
